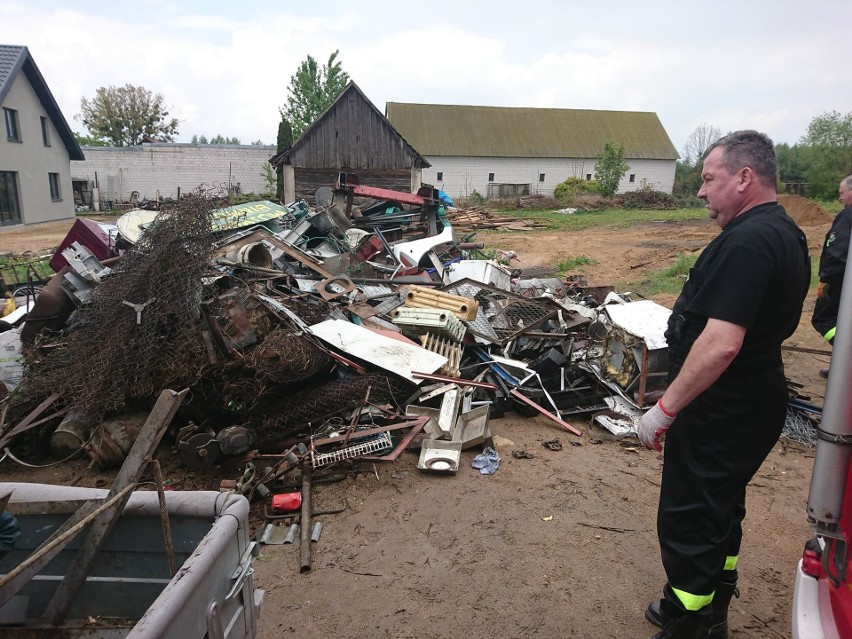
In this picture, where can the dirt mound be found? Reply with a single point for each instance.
(803, 211)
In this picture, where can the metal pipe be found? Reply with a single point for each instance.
(831, 462)
(305, 519)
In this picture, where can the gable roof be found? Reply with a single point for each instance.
(367, 135)
(481, 131)
(13, 59)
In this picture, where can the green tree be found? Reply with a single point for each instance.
(257, 142)
(220, 139)
(87, 140)
(285, 141)
(610, 168)
(792, 162)
(829, 142)
(125, 116)
(311, 91)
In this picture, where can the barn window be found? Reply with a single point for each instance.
(440, 176)
(632, 177)
(541, 177)
(490, 177)
(588, 176)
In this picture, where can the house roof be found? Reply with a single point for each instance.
(481, 131)
(14, 59)
(287, 155)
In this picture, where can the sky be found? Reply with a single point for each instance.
(224, 67)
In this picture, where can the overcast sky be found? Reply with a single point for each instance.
(224, 66)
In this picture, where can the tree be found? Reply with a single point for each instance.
(311, 91)
(610, 168)
(220, 139)
(698, 141)
(829, 139)
(87, 140)
(125, 116)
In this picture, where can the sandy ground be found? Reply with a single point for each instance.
(560, 545)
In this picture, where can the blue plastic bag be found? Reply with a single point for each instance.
(488, 461)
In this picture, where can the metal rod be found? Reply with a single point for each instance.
(305, 519)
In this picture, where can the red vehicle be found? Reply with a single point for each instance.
(822, 600)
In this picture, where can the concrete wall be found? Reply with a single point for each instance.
(149, 168)
(463, 175)
(32, 160)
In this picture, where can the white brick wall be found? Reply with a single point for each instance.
(463, 175)
(167, 167)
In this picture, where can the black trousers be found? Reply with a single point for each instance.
(712, 451)
(827, 308)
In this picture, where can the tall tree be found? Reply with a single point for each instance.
(125, 116)
(698, 141)
(829, 142)
(312, 90)
(610, 168)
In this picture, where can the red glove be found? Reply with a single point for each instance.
(654, 425)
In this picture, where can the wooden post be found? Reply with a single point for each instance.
(416, 178)
(289, 173)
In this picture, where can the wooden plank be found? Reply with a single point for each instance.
(130, 473)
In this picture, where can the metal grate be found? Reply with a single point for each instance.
(380, 443)
(502, 316)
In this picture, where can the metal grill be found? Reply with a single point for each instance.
(138, 332)
(502, 316)
(380, 443)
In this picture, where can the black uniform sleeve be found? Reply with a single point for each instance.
(832, 262)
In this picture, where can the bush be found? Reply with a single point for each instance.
(648, 199)
(575, 186)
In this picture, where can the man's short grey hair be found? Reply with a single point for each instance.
(847, 181)
(748, 149)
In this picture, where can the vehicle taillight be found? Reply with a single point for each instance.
(811, 563)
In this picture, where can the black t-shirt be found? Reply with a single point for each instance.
(756, 274)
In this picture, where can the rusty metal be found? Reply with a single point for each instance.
(502, 315)
(28, 422)
(305, 522)
(526, 400)
(455, 380)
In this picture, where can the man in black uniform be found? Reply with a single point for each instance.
(726, 401)
(832, 265)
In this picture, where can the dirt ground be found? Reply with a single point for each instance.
(560, 545)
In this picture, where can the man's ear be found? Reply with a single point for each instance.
(746, 175)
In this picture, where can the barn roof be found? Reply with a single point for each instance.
(13, 60)
(482, 131)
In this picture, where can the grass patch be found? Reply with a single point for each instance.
(16, 271)
(618, 217)
(574, 264)
(670, 279)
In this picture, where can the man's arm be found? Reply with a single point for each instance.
(710, 355)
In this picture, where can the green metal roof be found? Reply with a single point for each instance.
(478, 131)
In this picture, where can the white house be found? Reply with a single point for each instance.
(36, 148)
(510, 151)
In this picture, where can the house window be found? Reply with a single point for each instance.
(541, 177)
(12, 129)
(632, 177)
(588, 176)
(440, 175)
(55, 193)
(45, 131)
(10, 206)
(490, 177)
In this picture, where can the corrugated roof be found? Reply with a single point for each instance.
(479, 131)
(15, 58)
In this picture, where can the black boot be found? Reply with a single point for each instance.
(717, 625)
(677, 622)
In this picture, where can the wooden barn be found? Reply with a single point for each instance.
(351, 136)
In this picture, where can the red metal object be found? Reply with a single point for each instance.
(454, 380)
(348, 183)
(286, 502)
(89, 234)
(526, 400)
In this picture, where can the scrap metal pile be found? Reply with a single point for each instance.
(354, 329)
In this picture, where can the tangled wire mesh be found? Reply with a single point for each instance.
(138, 332)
